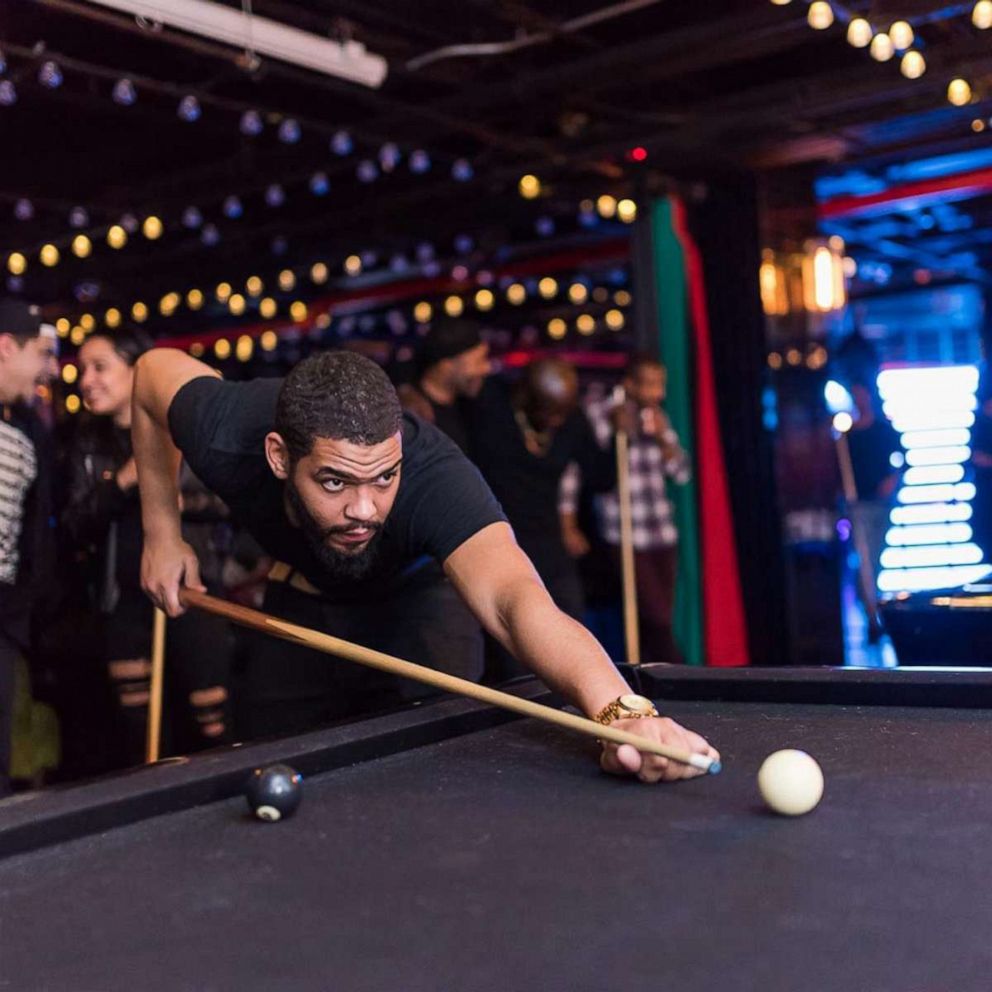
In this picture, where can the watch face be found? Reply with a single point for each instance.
(636, 704)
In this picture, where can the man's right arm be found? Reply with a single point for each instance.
(167, 561)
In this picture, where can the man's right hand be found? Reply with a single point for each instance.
(167, 567)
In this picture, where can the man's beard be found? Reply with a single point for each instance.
(336, 563)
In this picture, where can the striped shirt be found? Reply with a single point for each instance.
(18, 469)
(651, 510)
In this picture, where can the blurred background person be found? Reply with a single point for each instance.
(103, 515)
(655, 458)
(523, 437)
(453, 364)
(28, 360)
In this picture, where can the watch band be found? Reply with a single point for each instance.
(615, 710)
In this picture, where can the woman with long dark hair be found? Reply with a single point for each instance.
(103, 515)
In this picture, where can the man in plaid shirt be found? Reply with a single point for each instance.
(655, 457)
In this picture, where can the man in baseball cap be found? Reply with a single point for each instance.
(453, 365)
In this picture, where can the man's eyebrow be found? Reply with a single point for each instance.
(326, 471)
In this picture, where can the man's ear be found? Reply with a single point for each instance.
(7, 344)
(277, 455)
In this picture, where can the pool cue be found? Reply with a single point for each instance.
(306, 637)
(154, 732)
(866, 569)
(627, 567)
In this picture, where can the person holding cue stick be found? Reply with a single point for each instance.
(329, 475)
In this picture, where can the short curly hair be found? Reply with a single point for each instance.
(338, 395)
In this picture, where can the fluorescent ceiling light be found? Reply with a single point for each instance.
(259, 34)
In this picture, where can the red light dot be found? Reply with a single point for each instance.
(639, 154)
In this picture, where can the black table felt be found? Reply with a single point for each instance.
(505, 860)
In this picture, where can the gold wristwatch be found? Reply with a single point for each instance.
(627, 707)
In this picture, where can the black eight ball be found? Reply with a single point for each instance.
(274, 792)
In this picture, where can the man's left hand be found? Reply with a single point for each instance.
(624, 759)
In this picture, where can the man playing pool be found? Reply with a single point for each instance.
(329, 475)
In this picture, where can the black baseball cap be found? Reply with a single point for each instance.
(21, 319)
(447, 338)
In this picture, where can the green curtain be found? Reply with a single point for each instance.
(675, 348)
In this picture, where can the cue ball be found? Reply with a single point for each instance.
(790, 782)
(274, 792)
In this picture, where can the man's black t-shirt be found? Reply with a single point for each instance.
(442, 500)
(527, 484)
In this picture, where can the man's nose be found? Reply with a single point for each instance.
(361, 506)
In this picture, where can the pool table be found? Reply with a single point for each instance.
(941, 627)
(455, 847)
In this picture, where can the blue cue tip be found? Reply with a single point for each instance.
(715, 768)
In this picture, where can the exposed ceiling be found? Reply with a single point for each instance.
(699, 86)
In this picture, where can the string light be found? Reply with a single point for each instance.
(88, 323)
(223, 292)
(627, 211)
(353, 265)
(269, 340)
(196, 349)
(116, 236)
(318, 272)
(820, 15)
(298, 311)
(516, 293)
(586, 323)
(621, 298)
(557, 328)
(72, 403)
(69, 373)
(484, 299)
(244, 348)
(81, 246)
(236, 304)
(194, 299)
(578, 293)
(547, 287)
(913, 65)
(454, 306)
(16, 263)
(251, 123)
(959, 92)
(62, 326)
(607, 206)
(77, 335)
(287, 280)
(423, 312)
(139, 312)
(189, 109)
(124, 92)
(222, 349)
(529, 187)
(901, 34)
(152, 228)
(267, 308)
(254, 286)
(112, 318)
(882, 48)
(981, 15)
(859, 33)
(614, 319)
(49, 255)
